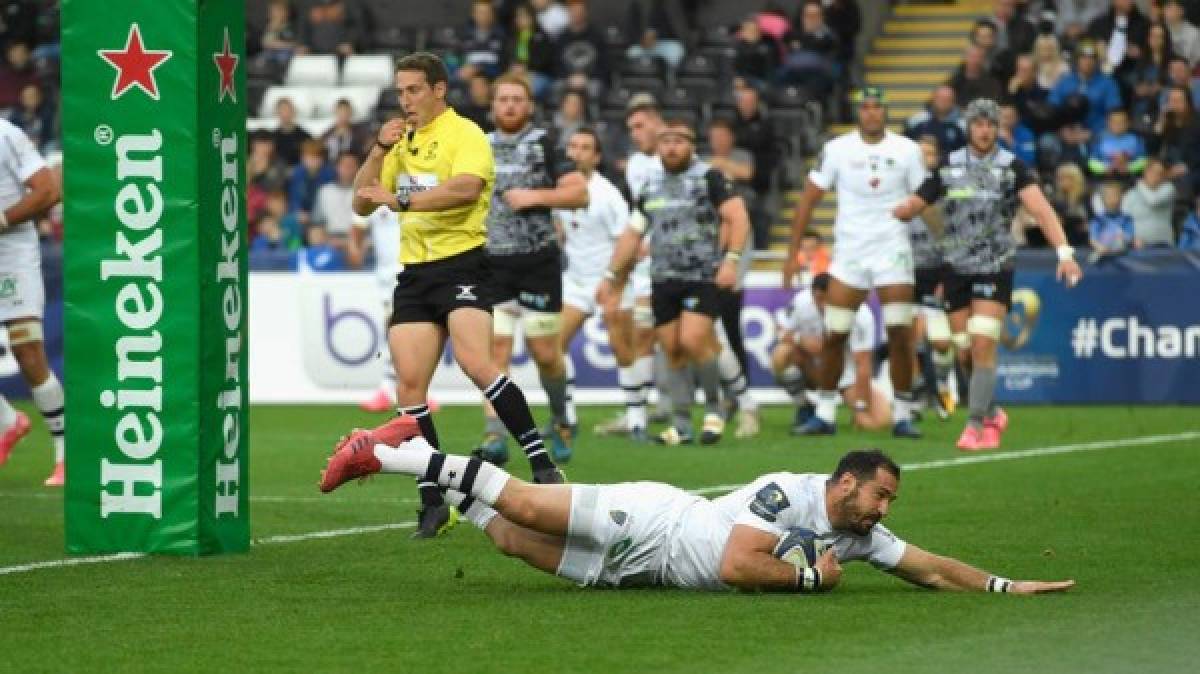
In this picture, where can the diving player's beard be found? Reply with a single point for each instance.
(856, 520)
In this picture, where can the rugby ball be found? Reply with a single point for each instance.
(799, 547)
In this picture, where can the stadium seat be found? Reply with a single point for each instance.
(643, 67)
(301, 98)
(678, 98)
(716, 43)
(312, 70)
(318, 126)
(256, 88)
(700, 88)
(650, 85)
(616, 99)
(699, 65)
(790, 97)
(615, 43)
(363, 100)
(394, 39)
(374, 70)
(261, 124)
(265, 69)
(442, 39)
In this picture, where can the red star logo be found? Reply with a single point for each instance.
(226, 62)
(135, 65)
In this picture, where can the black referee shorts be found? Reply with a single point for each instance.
(427, 292)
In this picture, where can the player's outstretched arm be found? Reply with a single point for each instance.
(1035, 202)
(749, 565)
(937, 572)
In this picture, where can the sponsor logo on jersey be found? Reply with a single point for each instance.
(769, 502)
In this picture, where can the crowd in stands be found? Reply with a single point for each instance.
(757, 91)
(1100, 97)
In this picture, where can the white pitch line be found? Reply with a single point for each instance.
(57, 496)
(1010, 455)
(269, 540)
(927, 465)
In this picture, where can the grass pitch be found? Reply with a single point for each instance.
(1116, 516)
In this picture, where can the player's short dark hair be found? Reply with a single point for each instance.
(864, 464)
(425, 62)
(589, 131)
(820, 281)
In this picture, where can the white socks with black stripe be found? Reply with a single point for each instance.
(461, 473)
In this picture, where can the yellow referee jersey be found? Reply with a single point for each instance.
(450, 145)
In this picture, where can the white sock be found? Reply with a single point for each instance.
(477, 512)
(50, 400)
(8, 415)
(643, 372)
(415, 457)
(569, 366)
(827, 406)
(635, 401)
(901, 409)
(733, 380)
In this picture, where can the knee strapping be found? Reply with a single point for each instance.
(985, 326)
(504, 322)
(541, 323)
(962, 341)
(838, 320)
(24, 332)
(898, 314)
(937, 327)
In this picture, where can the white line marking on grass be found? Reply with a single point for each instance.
(268, 540)
(969, 459)
(927, 465)
(57, 496)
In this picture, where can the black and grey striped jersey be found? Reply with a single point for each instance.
(683, 221)
(527, 160)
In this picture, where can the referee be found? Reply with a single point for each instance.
(435, 170)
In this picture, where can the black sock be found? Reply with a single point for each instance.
(963, 377)
(512, 409)
(430, 495)
(424, 422)
(928, 371)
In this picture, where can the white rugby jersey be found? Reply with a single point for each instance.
(589, 233)
(385, 236)
(773, 503)
(638, 170)
(870, 180)
(19, 160)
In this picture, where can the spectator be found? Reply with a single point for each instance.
(551, 16)
(1178, 131)
(1144, 77)
(1049, 62)
(1185, 37)
(1015, 136)
(265, 170)
(1112, 230)
(737, 165)
(844, 18)
(308, 176)
(19, 24)
(271, 240)
(33, 117)
(481, 43)
(972, 80)
(752, 131)
(318, 253)
(580, 47)
(1069, 145)
(478, 106)
(773, 21)
(1117, 152)
(1122, 32)
(1178, 75)
(288, 135)
(279, 39)
(289, 223)
(1030, 99)
(810, 53)
(570, 117)
(1070, 201)
(996, 61)
(345, 135)
(1014, 33)
(529, 51)
(17, 73)
(332, 208)
(755, 56)
(813, 257)
(1086, 93)
(1189, 236)
(658, 36)
(941, 119)
(332, 26)
(1150, 203)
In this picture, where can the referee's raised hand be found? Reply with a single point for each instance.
(391, 132)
